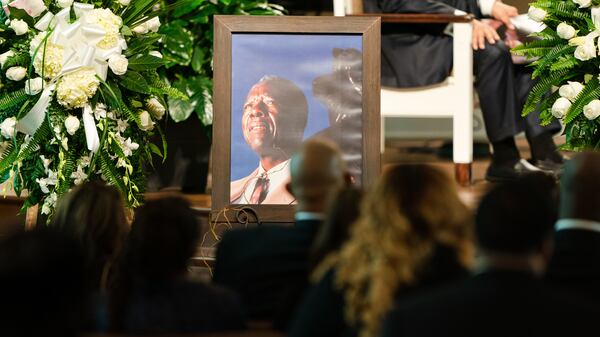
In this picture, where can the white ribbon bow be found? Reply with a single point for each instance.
(79, 41)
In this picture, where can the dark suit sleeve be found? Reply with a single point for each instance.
(415, 6)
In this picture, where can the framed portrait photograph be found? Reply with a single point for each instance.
(279, 81)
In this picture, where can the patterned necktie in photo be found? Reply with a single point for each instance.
(260, 190)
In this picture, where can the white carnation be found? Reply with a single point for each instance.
(565, 31)
(19, 26)
(560, 107)
(34, 86)
(4, 57)
(118, 64)
(16, 73)
(110, 23)
(592, 110)
(537, 14)
(51, 58)
(583, 3)
(570, 90)
(75, 89)
(146, 121)
(154, 107)
(7, 127)
(64, 3)
(71, 124)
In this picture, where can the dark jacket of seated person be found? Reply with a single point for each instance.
(152, 291)
(413, 233)
(263, 264)
(506, 296)
(268, 265)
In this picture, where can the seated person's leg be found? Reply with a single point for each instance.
(495, 85)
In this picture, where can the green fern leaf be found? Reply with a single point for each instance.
(536, 48)
(10, 100)
(111, 173)
(565, 63)
(41, 136)
(17, 60)
(590, 92)
(545, 63)
(8, 158)
(67, 169)
(542, 88)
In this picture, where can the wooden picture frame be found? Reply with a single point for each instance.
(367, 29)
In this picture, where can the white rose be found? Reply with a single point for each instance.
(147, 123)
(586, 51)
(570, 90)
(64, 3)
(5, 56)
(34, 86)
(32, 7)
(153, 24)
(19, 26)
(154, 107)
(7, 128)
(592, 109)
(155, 54)
(71, 124)
(16, 73)
(536, 14)
(124, 2)
(560, 107)
(141, 29)
(583, 3)
(565, 31)
(118, 64)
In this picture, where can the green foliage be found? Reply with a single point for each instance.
(13, 99)
(556, 64)
(188, 49)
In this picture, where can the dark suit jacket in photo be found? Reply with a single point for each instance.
(575, 264)
(494, 303)
(264, 264)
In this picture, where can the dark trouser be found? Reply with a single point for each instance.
(502, 87)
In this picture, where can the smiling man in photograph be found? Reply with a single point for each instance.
(273, 122)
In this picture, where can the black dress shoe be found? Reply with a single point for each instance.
(549, 166)
(509, 172)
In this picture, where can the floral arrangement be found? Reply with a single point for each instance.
(79, 96)
(566, 58)
(188, 51)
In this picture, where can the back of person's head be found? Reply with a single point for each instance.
(94, 213)
(317, 170)
(517, 217)
(411, 211)
(41, 284)
(342, 211)
(579, 198)
(163, 238)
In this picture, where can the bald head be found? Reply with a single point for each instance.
(317, 170)
(579, 188)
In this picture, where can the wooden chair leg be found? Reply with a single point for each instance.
(462, 173)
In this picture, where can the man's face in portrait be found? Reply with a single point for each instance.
(260, 118)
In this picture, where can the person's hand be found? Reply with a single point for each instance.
(482, 33)
(504, 13)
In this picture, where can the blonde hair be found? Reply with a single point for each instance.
(410, 210)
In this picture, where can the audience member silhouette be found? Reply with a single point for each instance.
(265, 264)
(413, 233)
(41, 285)
(505, 296)
(94, 214)
(575, 263)
(342, 212)
(153, 292)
